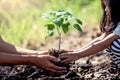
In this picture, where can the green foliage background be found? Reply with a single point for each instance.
(20, 22)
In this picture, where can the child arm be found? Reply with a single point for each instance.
(96, 40)
(91, 49)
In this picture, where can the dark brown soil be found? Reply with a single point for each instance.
(56, 54)
(95, 67)
(103, 71)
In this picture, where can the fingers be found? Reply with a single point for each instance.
(46, 53)
(56, 69)
(52, 58)
(63, 55)
(69, 50)
(66, 61)
(43, 53)
(67, 58)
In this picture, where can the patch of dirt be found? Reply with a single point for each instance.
(94, 67)
(87, 71)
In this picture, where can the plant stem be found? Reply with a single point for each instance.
(59, 33)
(59, 41)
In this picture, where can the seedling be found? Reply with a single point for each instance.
(60, 21)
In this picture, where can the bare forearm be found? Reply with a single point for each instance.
(95, 40)
(90, 43)
(12, 59)
(92, 49)
(97, 46)
(24, 51)
(9, 48)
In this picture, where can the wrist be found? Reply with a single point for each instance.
(19, 59)
(32, 59)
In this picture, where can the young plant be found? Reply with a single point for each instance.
(60, 21)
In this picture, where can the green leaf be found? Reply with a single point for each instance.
(50, 26)
(52, 13)
(50, 33)
(65, 27)
(61, 11)
(77, 26)
(59, 16)
(68, 14)
(78, 21)
(58, 21)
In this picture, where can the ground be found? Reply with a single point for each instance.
(95, 67)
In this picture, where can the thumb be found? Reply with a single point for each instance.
(70, 51)
(52, 58)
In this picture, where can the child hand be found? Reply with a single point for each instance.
(69, 57)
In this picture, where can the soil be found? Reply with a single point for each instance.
(95, 67)
(56, 53)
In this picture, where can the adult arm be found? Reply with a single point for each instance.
(12, 49)
(42, 61)
(12, 59)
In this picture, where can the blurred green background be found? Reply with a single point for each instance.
(20, 22)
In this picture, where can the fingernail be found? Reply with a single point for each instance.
(59, 59)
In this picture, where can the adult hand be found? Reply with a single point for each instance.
(42, 53)
(69, 57)
(44, 61)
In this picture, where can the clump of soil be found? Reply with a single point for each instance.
(69, 72)
(56, 53)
